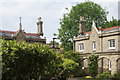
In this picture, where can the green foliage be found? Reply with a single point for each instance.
(69, 66)
(93, 65)
(116, 76)
(104, 75)
(112, 23)
(107, 75)
(23, 61)
(55, 43)
(70, 21)
(75, 56)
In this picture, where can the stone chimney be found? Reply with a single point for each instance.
(82, 24)
(39, 26)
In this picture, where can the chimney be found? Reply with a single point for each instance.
(82, 24)
(39, 26)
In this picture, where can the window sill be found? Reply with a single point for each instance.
(112, 48)
(81, 50)
(94, 49)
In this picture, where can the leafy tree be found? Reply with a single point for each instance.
(55, 43)
(53, 69)
(70, 21)
(75, 56)
(23, 61)
(113, 22)
(65, 65)
(69, 66)
(93, 65)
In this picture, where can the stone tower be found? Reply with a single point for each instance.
(82, 24)
(39, 26)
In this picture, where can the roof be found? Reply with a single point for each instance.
(106, 29)
(33, 34)
(13, 32)
(110, 28)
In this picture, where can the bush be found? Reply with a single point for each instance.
(93, 65)
(24, 61)
(105, 74)
(116, 76)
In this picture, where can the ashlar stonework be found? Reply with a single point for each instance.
(103, 42)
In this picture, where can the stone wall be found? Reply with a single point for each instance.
(106, 62)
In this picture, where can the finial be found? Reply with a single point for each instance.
(20, 24)
(39, 19)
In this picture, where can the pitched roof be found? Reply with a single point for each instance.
(106, 29)
(33, 34)
(13, 32)
(110, 28)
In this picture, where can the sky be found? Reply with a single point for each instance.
(51, 12)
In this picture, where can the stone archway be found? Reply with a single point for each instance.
(118, 65)
(104, 64)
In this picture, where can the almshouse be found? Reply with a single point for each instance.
(102, 42)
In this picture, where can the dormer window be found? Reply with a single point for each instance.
(111, 44)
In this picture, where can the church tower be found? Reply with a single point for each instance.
(39, 26)
(82, 24)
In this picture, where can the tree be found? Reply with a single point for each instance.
(93, 65)
(23, 61)
(66, 65)
(55, 43)
(70, 21)
(113, 22)
(75, 56)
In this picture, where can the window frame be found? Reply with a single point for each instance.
(94, 45)
(81, 47)
(109, 65)
(111, 44)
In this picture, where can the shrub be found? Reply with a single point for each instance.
(105, 74)
(116, 76)
(93, 65)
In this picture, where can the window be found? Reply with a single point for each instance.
(109, 65)
(111, 44)
(94, 45)
(81, 47)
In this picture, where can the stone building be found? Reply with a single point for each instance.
(20, 35)
(102, 42)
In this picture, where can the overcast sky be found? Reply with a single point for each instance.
(50, 10)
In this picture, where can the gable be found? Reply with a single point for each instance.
(20, 36)
(94, 32)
